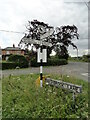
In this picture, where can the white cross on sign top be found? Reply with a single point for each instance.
(42, 55)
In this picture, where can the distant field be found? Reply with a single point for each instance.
(23, 99)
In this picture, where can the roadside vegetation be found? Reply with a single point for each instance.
(50, 62)
(22, 98)
(19, 61)
(84, 58)
(15, 61)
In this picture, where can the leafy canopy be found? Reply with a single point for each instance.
(60, 38)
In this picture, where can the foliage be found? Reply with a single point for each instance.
(9, 65)
(34, 63)
(20, 59)
(50, 62)
(12, 65)
(60, 38)
(56, 62)
(22, 99)
(17, 58)
(30, 54)
(75, 59)
(14, 61)
(86, 58)
(61, 56)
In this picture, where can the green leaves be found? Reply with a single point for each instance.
(21, 99)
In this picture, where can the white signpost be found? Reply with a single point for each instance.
(41, 58)
(42, 55)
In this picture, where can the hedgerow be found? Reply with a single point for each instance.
(50, 62)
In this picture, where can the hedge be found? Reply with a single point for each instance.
(12, 65)
(86, 58)
(50, 62)
(19, 59)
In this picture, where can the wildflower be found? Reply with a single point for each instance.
(49, 91)
(47, 99)
(54, 93)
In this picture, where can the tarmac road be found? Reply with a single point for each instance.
(76, 69)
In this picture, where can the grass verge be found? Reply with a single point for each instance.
(22, 99)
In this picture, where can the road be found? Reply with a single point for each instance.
(76, 69)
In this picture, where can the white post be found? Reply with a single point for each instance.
(41, 67)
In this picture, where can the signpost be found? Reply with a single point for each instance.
(44, 32)
(64, 85)
(41, 57)
(41, 53)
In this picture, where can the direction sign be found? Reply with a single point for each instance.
(33, 41)
(42, 55)
(64, 85)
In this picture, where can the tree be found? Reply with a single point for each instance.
(30, 54)
(61, 52)
(60, 38)
(20, 59)
(64, 35)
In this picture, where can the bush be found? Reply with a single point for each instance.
(34, 63)
(86, 58)
(50, 62)
(14, 61)
(9, 65)
(20, 59)
(63, 56)
(56, 62)
(12, 65)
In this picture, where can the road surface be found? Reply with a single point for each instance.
(76, 69)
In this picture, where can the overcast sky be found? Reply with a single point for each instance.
(14, 15)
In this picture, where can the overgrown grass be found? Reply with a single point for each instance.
(22, 99)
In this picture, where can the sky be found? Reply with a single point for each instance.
(15, 14)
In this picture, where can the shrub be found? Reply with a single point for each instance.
(20, 59)
(55, 62)
(86, 58)
(50, 62)
(34, 63)
(9, 65)
(12, 65)
(63, 56)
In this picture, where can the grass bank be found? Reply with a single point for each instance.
(22, 99)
